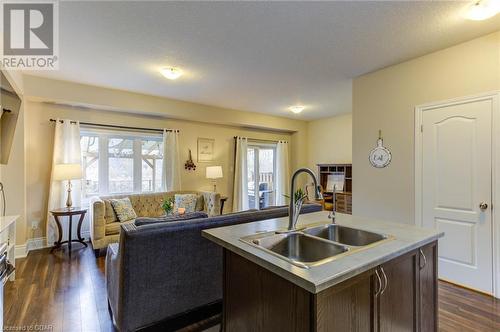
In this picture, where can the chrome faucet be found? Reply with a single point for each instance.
(295, 206)
(331, 215)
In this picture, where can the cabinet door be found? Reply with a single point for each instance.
(428, 288)
(340, 203)
(397, 303)
(347, 306)
(257, 300)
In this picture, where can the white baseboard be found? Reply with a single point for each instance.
(22, 250)
(36, 243)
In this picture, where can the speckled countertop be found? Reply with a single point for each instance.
(317, 278)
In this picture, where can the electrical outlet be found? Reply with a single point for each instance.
(35, 224)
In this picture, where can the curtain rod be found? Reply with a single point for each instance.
(118, 127)
(262, 140)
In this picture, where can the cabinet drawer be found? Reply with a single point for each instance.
(340, 198)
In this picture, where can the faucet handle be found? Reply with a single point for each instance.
(319, 195)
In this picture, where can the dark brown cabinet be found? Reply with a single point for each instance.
(399, 295)
(347, 306)
(397, 299)
(427, 294)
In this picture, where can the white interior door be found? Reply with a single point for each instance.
(456, 185)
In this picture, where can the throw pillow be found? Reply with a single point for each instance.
(187, 201)
(123, 209)
(177, 217)
(109, 215)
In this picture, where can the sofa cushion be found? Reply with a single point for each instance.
(148, 205)
(114, 228)
(175, 217)
(187, 201)
(123, 209)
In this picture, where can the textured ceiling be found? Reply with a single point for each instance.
(252, 56)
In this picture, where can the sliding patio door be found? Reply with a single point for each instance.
(261, 175)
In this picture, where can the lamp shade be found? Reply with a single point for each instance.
(67, 172)
(214, 172)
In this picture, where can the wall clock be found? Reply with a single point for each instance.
(380, 156)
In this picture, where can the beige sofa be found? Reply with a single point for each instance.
(105, 227)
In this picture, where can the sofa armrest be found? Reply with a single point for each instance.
(97, 221)
(112, 271)
(211, 203)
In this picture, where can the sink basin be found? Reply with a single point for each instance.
(315, 245)
(298, 248)
(345, 235)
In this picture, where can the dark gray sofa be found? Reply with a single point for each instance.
(163, 270)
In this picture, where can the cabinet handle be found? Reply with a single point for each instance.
(379, 283)
(423, 256)
(385, 280)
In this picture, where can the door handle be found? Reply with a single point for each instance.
(379, 283)
(386, 282)
(424, 259)
(483, 206)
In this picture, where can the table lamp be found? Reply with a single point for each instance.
(214, 173)
(68, 172)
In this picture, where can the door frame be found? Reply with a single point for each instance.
(494, 97)
(256, 145)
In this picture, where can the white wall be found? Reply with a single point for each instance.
(386, 99)
(330, 141)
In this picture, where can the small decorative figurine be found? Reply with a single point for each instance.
(189, 165)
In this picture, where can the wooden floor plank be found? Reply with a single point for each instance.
(69, 294)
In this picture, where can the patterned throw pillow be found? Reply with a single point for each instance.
(123, 209)
(187, 201)
(109, 215)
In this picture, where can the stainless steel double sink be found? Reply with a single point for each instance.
(315, 245)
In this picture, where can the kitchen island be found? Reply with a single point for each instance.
(273, 283)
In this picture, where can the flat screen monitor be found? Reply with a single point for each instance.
(10, 104)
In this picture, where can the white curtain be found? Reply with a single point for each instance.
(171, 174)
(240, 194)
(282, 173)
(66, 151)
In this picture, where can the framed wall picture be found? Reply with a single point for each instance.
(206, 150)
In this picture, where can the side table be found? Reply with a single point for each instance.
(69, 212)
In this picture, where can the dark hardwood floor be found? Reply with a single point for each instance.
(59, 293)
(461, 309)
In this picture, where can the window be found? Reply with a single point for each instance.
(119, 162)
(261, 161)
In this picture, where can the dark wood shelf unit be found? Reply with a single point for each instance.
(342, 202)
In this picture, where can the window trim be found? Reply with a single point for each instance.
(103, 158)
(257, 146)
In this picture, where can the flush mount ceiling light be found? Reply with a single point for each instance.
(296, 109)
(171, 73)
(482, 10)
